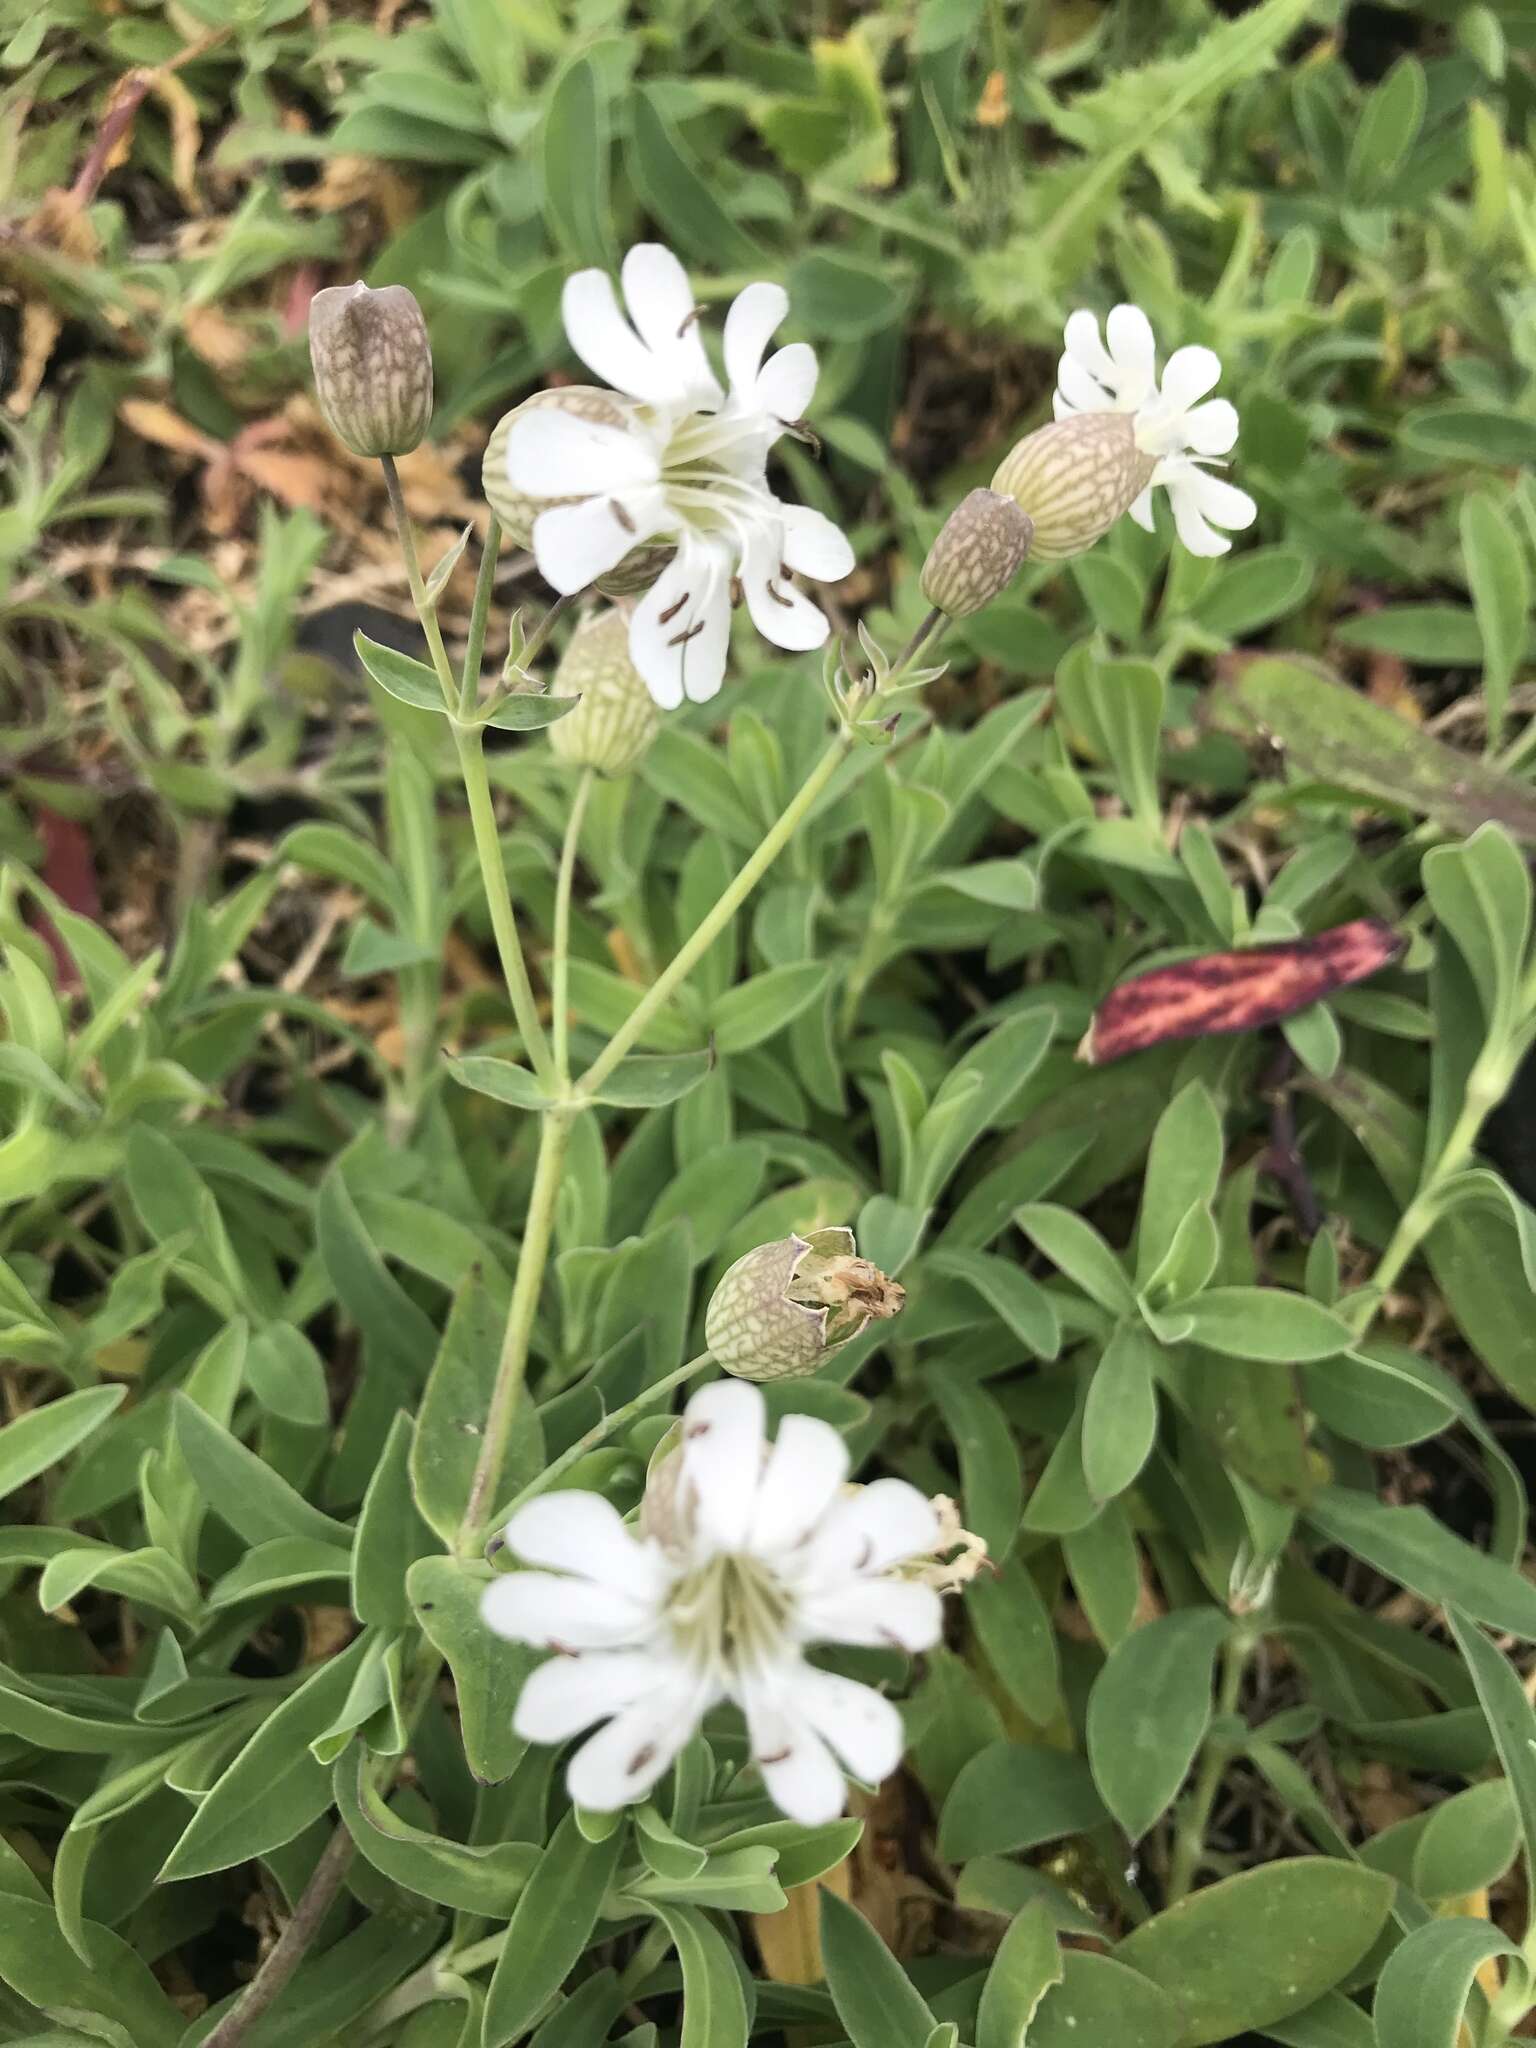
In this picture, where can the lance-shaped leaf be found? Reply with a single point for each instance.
(1215, 994)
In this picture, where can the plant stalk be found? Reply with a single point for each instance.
(469, 740)
(1190, 1831)
(561, 1022)
(599, 1433)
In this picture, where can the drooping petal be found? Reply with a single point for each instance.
(575, 544)
(861, 1724)
(1189, 374)
(1196, 535)
(749, 326)
(1082, 343)
(624, 1760)
(1134, 349)
(807, 1465)
(608, 345)
(1222, 503)
(680, 633)
(873, 1613)
(813, 545)
(553, 1613)
(881, 1524)
(780, 612)
(1211, 429)
(1081, 392)
(582, 1533)
(798, 1769)
(569, 1693)
(723, 1460)
(661, 304)
(787, 382)
(554, 454)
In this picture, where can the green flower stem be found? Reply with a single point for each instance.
(672, 977)
(599, 1433)
(512, 1367)
(562, 963)
(1195, 1818)
(533, 646)
(470, 742)
(474, 646)
(426, 607)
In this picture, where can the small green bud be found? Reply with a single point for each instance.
(617, 718)
(517, 511)
(1075, 478)
(785, 1307)
(373, 367)
(977, 553)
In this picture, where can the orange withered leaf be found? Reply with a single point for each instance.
(1218, 993)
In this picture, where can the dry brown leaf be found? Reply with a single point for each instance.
(186, 135)
(153, 420)
(350, 181)
(789, 1941)
(214, 336)
(296, 479)
(41, 327)
(992, 109)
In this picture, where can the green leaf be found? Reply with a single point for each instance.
(1253, 590)
(1014, 1796)
(502, 1080)
(552, 1924)
(650, 1080)
(714, 2003)
(1388, 128)
(1071, 1242)
(575, 164)
(991, 1481)
(1481, 893)
(410, 681)
(391, 1535)
(446, 1449)
(1099, 2000)
(488, 1675)
(1467, 1842)
(1028, 1962)
(527, 711)
(1009, 1614)
(1510, 1716)
(33, 1442)
(1501, 596)
(1428, 1979)
(287, 1376)
(1183, 1169)
(677, 194)
(744, 1016)
(255, 1501)
(398, 1332)
(1409, 1545)
(1265, 1324)
(1019, 1299)
(114, 1999)
(331, 850)
(1120, 1412)
(1261, 1945)
(1149, 1711)
(876, 2001)
(1337, 735)
(1333, 2022)
(274, 1788)
(487, 1880)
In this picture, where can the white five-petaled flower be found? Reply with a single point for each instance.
(762, 1551)
(689, 467)
(1183, 435)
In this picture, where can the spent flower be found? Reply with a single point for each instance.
(785, 1307)
(665, 475)
(762, 1551)
(1120, 433)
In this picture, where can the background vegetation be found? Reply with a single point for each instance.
(1227, 1719)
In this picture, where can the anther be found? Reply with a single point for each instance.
(621, 515)
(665, 618)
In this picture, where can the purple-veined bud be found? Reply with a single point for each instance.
(617, 718)
(373, 367)
(1075, 478)
(977, 554)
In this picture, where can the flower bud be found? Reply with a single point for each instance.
(977, 553)
(617, 718)
(785, 1307)
(1075, 478)
(517, 510)
(373, 367)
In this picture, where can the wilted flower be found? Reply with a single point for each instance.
(616, 720)
(1118, 435)
(766, 1552)
(784, 1307)
(373, 367)
(977, 554)
(674, 460)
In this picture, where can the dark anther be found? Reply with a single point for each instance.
(641, 1758)
(775, 593)
(682, 639)
(665, 618)
(621, 515)
(779, 1756)
(696, 314)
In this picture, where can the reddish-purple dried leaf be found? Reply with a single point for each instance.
(1219, 993)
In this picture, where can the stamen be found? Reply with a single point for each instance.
(776, 594)
(779, 1756)
(640, 1759)
(665, 619)
(682, 639)
(696, 314)
(621, 515)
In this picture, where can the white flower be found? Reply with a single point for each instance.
(1182, 435)
(689, 466)
(762, 1552)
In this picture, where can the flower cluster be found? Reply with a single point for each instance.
(670, 468)
(748, 1554)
